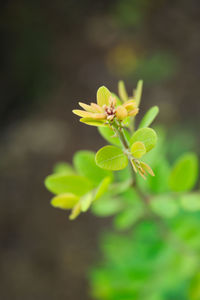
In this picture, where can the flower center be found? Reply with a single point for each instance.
(110, 112)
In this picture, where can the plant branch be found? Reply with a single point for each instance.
(164, 229)
(120, 134)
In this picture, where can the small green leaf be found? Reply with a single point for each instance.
(102, 188)
(138, 92)
(84, 162)
(131, 214)
(190, 202)
(86, 201)
(127, 218)
(124, 175)
(164, 206)
(159, 183)
(138, 149)
(92, 122)
(60, 184)
(149, 117)
(120, 187)
(105, 207)
(75, 211)
(132, 198)
(145, 135)
(194, 291)
(184, 173)
(146, 168)
(103, 96)
(127, 123)
(111, 158)
(63, 168)
(122, 91)
(64, 201)
(108, 134)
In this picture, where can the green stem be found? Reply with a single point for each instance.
(125, 145)
(120, 134)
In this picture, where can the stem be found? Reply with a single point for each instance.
(121, 136)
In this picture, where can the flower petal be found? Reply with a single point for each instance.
(133, 112)
(92, 122)
(96, 107)
(130, 105)
(103, 96)
(86, 107)
(82, 113)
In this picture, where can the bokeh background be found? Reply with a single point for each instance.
(54, 54)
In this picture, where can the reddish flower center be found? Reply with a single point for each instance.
(110, 112)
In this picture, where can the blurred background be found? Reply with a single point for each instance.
(54, 54)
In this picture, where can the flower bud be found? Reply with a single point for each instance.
(130, 105)
(121, 112)
(133, 112)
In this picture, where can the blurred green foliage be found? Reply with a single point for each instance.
(153, 259)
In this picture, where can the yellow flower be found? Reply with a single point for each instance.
(97, 114)
(106, 109)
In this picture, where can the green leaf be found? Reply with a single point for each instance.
(145, 135)
(138, 92)
(64, 201)
(159, 151)
(138, 149)
(130, 214)
(86, 201)
(111, 158)
(103, 96)
(122, 91)
(164, 206)
(60, 184)
(124, 175)
(63, 168)
(105, 206)
(132, 198)
(127, 123)
(159, 182)
(84, 162)
(127, 218)
(149, 117)
(184, 173)
(92, 122)
(194, 291)
(120, 187)
(75, 211)
(190, 202)
(108, 134)
(102, 188)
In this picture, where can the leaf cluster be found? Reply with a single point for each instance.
(158, 257)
